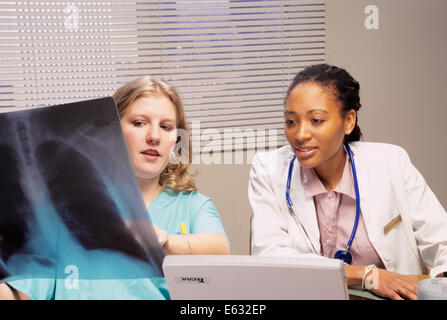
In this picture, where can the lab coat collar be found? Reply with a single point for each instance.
(363, 182)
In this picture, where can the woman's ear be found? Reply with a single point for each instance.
(350, 121)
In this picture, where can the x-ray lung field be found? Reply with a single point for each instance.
(69, 200)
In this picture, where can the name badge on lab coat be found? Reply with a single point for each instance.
(392, 224)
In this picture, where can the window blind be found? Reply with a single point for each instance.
(232, 60)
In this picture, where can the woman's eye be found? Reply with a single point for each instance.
(137, 123)
(290, 122)
(317, 121)
(166, 127)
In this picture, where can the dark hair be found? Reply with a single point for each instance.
(345, 88)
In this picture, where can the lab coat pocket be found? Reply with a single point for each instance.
(400, 255)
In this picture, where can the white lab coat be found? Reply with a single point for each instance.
(389, 185)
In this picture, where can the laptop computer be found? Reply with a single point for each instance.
(242, 277)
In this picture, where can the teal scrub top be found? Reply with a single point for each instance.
(168, 210)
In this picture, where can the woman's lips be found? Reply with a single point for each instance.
(305, 151)
(151, 154)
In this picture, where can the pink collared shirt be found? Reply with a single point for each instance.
(336, 215)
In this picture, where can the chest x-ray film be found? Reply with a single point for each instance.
(69, 200)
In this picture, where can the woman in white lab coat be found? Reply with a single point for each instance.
(402, 227)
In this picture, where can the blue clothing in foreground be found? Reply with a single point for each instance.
(168, 210)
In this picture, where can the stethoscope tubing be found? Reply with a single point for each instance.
(357, 197)
(357, 200)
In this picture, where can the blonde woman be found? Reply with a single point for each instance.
(186, 222)
(151, 113)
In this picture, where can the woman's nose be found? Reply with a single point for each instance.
(303, 133)
(153, 135)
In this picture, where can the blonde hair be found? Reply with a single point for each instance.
(174, 176)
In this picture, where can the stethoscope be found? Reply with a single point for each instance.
(343, 255)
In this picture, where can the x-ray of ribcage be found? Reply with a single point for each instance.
(69, 198)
